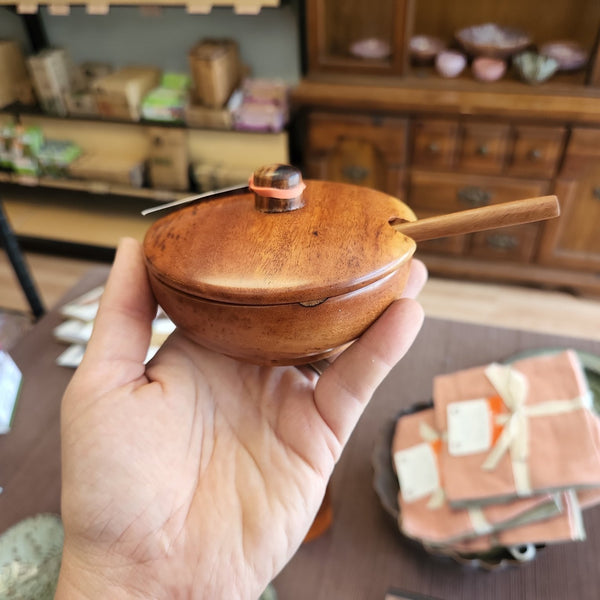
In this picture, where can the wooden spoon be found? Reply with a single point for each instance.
(480, 219)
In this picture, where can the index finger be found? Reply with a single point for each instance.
(345, 388)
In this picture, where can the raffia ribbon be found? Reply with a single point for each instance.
(512, 386)
(434, 439)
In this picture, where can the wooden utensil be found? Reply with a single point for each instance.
(494, 216)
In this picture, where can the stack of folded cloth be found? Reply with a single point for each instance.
(508, 456)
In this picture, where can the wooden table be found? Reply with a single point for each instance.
(362, 555)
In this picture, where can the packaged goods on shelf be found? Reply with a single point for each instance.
(119, 95)
(15, 84)
(92, 70)
(81, 104)
(168, 159)
(81, 100)
(215, 67)
(167, 101)
(197, 115)
(209, 176)
(19, 148)
(108, 168)
(55, 156)
(264, 106)
(54, 75)
(6, 136)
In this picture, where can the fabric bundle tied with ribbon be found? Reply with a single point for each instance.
(424, 512)
(541, 438)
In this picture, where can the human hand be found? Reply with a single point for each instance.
(197, 475)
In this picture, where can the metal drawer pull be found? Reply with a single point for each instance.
(433, 148)
(474, 196)
(355, 173)
(501, 241)
(483, 150)
(534, 154)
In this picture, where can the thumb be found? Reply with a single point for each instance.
(123, 326)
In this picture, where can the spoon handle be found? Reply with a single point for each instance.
(480, 219)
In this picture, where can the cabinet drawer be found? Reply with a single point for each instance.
(483, 148)
(386, 134)
(537, 151)
(448, 192)
(508, 243)
(583, 150)
(434, 143)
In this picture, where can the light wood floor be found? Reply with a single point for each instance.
(508, 306)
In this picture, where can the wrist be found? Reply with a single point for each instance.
(82, 579)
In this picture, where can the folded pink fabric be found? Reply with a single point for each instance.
(424, 513)
(559, 436)
(564, 527)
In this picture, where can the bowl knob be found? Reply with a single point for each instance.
(277, 188)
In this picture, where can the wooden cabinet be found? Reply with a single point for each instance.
(437, 166)
(444, 145)
(573, 241)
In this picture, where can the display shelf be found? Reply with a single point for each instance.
(559, 101)
(92, 187)
(21, 110)
(237, 149)
(65, 216)
(101, 7)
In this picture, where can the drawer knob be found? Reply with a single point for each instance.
(433, 148)
(596, 192)
(483, 150)
(534, 154)
(474, 196)
(355, 173)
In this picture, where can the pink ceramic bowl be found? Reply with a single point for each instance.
(488, 69)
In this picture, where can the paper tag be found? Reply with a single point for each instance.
(469, 429)
(417, 471)
(10, 386)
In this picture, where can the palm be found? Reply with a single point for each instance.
(199, 466)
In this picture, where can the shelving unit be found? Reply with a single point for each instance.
(75, 212)
(100, 7)
(103, 211)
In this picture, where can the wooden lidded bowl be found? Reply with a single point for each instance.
(278, 274)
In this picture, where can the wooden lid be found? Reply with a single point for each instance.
(227, 250)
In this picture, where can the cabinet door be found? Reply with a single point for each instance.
(357, 149)
(573, 240)
(353, 36)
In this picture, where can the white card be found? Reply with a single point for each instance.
(72, 356)
(10, 386)
(417, 472)
(73, 331)
(469, 427)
